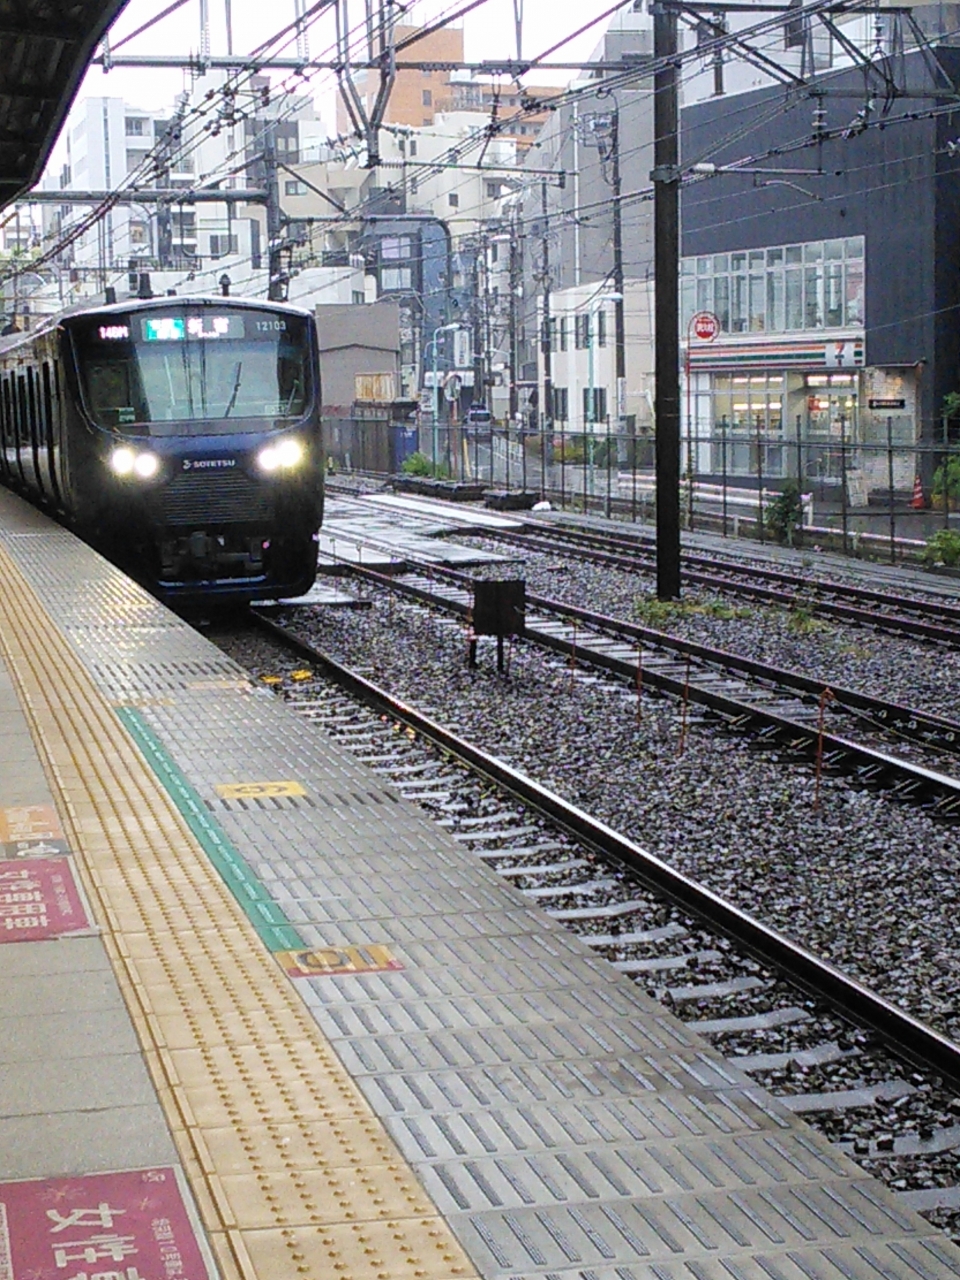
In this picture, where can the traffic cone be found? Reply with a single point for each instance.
(918, 502)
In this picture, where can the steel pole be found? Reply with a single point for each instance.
(547, 407)
(618, 312)
(666, 223)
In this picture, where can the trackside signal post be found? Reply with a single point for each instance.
(666, 231)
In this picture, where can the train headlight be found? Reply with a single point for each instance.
(122, 461)
(125, 461)
(146, 465)
(281, 457)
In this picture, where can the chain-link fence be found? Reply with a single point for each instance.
(887, 495)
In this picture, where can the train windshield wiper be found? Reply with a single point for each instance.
(236, 388)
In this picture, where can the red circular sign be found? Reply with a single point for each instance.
(705, 325)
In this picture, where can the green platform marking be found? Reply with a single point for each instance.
(266, 916)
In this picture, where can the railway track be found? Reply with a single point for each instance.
(861, 606)
(865, 1072)
(782, 710)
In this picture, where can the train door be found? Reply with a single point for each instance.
(6, 449)
(20, 437)
(50, 417)
(25, 436)
(35, 428)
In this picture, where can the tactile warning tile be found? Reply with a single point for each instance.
(228, 1042)
(400, 1249)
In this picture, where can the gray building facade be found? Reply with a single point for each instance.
(837, 288)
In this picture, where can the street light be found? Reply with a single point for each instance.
(443, 328)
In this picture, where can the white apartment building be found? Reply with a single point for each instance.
(583, 358)
(107, 141)
(415, 161)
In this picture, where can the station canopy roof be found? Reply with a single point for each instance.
(45, 46)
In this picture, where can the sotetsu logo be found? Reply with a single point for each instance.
(207, 464)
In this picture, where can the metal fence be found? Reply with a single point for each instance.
(854, 494)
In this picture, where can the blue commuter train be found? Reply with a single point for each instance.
(180, 436)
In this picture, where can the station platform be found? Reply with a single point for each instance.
(261, 1018)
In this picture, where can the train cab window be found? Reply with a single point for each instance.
(163, 367)
(114, 394)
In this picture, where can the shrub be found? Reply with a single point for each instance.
(953, 483)
(943, 548)
(570, 451)
(784, 515)
(418, 464)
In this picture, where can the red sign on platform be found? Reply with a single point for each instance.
(104, 1226)
(705, 325)
(39, 899)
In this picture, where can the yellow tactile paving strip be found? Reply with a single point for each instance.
(293, 1173)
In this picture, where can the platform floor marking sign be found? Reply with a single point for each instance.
(241, 685)
(327, 962)
(39, 899)
(31, 831)
(133, 1223)
(259, 790)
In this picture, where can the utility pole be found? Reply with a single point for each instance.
(514, 407)
(618, 313)
(276, 276)
(606, 131)
(547, 406)
(666, 232)
(481, 347)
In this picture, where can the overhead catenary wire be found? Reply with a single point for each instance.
(357, 213)
(147, 166)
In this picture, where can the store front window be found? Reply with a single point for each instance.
(748, 416)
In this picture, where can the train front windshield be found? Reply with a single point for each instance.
(157, 370)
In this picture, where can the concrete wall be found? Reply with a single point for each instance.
(354, 339)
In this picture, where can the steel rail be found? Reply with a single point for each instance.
(811, 593)
(908, 781)
(643, 542)
(925, 727)
(907, 1036)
